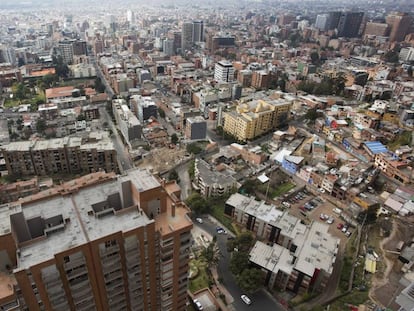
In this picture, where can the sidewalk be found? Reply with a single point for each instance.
(224, 291)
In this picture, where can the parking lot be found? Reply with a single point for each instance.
(310, 208)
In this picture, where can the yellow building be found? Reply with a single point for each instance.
(255, 118)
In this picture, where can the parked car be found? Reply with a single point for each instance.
(286, 204)
(246, 299)
(330, 220)
(198, 304)
(199, 220)
(348, 233)
(340, 226)
(323, 217)
(220, 230)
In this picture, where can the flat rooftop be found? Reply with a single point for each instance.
(79, 213)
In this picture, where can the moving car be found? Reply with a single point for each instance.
(220, 230)
(199, 220)
(246, 299)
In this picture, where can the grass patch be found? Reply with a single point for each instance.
(217, 211)
(401, 140)
(355, 298)
(202, 280)
(275, 191)
(10, 103)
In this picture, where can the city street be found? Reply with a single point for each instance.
(261, 300)
(124, 159)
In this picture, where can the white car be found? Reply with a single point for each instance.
(198, 304)
(199, 220)
(246, 299)
(330, 220)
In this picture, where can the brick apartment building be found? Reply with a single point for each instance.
(60, 155)
(100, 242)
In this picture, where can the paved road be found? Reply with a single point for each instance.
(124, 159)
(100, 74)
(262, 301)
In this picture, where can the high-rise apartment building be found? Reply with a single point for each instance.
(186, 36)
(377, 29)
(66, 51)
(322, 22)
(224, 71)
(350, 24)
(400, 24)
(255, 118)
(79, 47)
(333, 20)
(198, 31)
(100, 242)
(8, 55)
(70, 48)
(168, 47)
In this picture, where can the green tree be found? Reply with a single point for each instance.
(99, 86)
(174, 138)
(197, 204)
(194, 148)
(370, 214)
(239, 261)
(20, 91)
(191, 169)
(61, 69)
(391, 56)
(161, 113)
(41, 126)
(242, 243)
(250, 280)
(49, 80)
(315, 59)
(211, 253)
(174, 176)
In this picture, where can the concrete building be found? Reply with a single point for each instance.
(127, 123)
(406, 298)
(377, 29)
(198, 31)
(168, 47)
(196, 128)
(186, 36)
(224, 71)
(144, 107)
(212, 183)
(322, 22)
(61, 155)
(407, 54)
(400, 24)
(255, 118)
(394, 167)
(66, 51)
(100, 242)
(295, 257)
(260, 79)
(349, 24)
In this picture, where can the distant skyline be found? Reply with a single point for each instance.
(41, 4)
